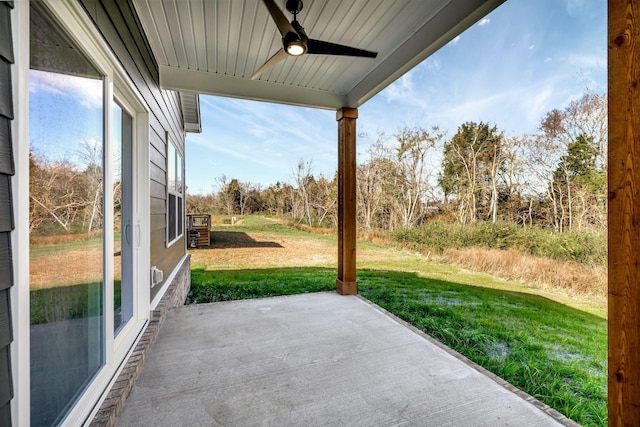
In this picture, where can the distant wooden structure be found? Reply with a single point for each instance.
(198, 227)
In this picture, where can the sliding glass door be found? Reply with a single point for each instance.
(83, 237)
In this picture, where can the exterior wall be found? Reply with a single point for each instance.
(6, 212)
(117, 22)
(174, 296)
(119, 25)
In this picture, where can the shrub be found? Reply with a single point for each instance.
(580, 246)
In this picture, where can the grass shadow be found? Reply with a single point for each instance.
(238, 239)
(79, 301)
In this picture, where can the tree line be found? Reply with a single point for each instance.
(65, 196)
(554, 178)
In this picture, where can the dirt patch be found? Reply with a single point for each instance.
(239, 249)
(68, 267)
(262, 249)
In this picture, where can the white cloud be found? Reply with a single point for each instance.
(475, 106)
(484, 21)
(455, 41)
(304, 129)
(548, 59)
(431, 64)
(399, 89)
(533, 46)
(512, 109)
(88, 92)
(575, 6)
(586, 60)
(264, 140)
(404, 92)
(537, 103)
(239, 151)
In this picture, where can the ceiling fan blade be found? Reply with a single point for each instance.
(318, 47)
(277, 57)
(283, 24)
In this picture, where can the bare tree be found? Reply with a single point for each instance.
(497, 157)
(55, 193)
(542, 156)
(372, 184)
(245, 192)
(587, 116)
(90, 159)
(198, 203)
(303, 176)
(225, 197)
(570, 135)
(412, 178)
(324, 200)
(472, 161)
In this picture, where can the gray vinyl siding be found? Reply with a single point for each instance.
(6, 211)
(119, 25)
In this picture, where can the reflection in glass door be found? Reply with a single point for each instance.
(66, 239)
(66, 219)
(122, 213)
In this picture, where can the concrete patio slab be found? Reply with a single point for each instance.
(313, 360)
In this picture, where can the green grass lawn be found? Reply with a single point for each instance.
(228, 285)
(259, 224)
(551, 351)
(555, 352)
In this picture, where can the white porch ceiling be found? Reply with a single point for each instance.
(214, 46)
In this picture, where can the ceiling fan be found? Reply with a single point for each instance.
(295, 41)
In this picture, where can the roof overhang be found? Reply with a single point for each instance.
(213, 47)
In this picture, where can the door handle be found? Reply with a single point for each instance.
(127, 234)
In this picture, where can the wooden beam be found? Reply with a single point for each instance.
(624, 212)
(347, 284)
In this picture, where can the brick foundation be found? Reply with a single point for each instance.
(175, 296)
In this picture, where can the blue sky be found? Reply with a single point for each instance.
(524, 59)
(70, 115)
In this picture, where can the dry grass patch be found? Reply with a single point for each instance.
(68, 259)
(316, 230)
(260, 249)
(547, 273)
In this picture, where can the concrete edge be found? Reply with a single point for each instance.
(114, 402)
(553, 413)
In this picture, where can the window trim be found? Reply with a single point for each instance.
(178, 193)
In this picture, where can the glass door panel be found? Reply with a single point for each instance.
(66, 215)
(122, 214)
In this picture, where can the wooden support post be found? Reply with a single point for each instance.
(624, 212)
(347, 284)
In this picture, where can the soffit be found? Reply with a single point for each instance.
(215, 46)
(190, 103)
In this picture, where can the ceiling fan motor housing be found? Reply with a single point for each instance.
(295, 41)
(294, 6)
